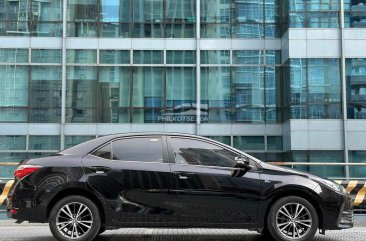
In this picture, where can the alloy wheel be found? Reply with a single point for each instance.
(74, 220)
(293, 220)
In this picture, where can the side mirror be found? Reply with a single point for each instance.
(242, 165)
(242, 162)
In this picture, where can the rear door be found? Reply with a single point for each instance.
(206, 188)
(132, 174)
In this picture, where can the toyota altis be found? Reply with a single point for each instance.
(172, 180)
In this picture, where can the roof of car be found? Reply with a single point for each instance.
(88, 146)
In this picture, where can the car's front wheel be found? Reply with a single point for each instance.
(75, 218)
(292, 218)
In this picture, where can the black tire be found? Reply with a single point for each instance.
(277, 221)
(90, 215)
(102, 230)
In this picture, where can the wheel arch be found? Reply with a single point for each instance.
(306, 194)
(77, 191)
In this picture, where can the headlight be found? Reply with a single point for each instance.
(332, 185)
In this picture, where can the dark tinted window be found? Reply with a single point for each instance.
(103, 152)
(138, 149)
(194, 152)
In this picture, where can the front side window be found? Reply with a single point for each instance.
(103, 152)
(147, 149)
(194, 152)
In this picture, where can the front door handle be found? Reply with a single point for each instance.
(98, 169)
(183, 175)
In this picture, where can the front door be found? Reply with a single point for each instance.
(132, 174)
(206, 188)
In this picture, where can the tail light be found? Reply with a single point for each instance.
(25, 170)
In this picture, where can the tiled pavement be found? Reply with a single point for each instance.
(42, 233)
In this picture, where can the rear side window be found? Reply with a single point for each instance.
(144, 149)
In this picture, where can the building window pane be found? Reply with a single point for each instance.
(113, 93)
(31, 18)
(223, 139)
(216, 94)
(248, 57)
(249, 142)
(273, 57)
(14, 55)
(180, 57)
(274, 143)
(114, 56)
(80, 95)
(45, 94)
(215, 57)
(248, 93)
(46, 56)
(14, 81)
(44, 142)
(81, 56)
(356, 88)
(215, 30)
(10, 142)
(8, 171)
(180, 95)
(71, 141)
(357, 157)
(355, 13)
(148, 57)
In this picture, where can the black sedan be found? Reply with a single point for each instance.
(172, 180)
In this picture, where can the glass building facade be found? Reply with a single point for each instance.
(282, 80)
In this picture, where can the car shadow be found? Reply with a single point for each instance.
(200, 237)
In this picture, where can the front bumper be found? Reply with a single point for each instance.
(345, 219)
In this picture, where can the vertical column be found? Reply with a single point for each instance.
(344, 90)
(63, 75)
(198, 66)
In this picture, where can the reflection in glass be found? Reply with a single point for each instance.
(248, 91)
(45, 94)
(113, 93)
(148, 57)
(46, 56)
(249, 142)
(11, 142)
(44, 142)
(355, 13)
(14, 55)
(248, 57)
(71, 141)
(180, 57)
(314, 14)
(81, 56)
(356, 88)
(31, 18)
(357, 157)
(114, 56)
(80, 94)
(14, 82)
(215, 57)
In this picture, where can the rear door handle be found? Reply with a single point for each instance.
(98, 169)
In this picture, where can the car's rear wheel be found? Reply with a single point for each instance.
(292, 218)
(75, 218)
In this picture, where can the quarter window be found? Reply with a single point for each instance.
(103, 152)
(194, 152)
(138, 149)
